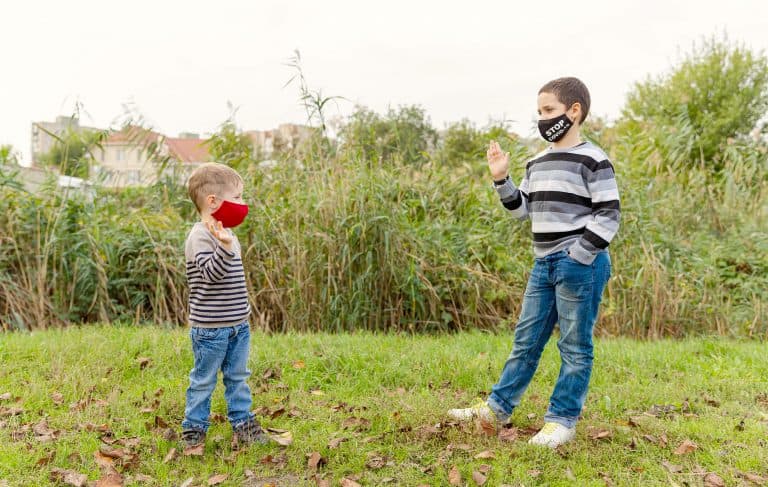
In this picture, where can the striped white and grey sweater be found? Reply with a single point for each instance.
(572, 199)
(217, 293)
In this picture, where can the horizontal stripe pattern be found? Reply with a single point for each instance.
(571, 197)
(218, 295)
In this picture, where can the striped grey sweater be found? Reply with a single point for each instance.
(217, 293)
(572, 199)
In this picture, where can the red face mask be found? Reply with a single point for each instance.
(230, 214)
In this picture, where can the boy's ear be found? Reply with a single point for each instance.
(210, 199)
(576, 112)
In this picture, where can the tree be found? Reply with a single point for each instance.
(71, 153)
(462, 142)
(230, 146)
(718, 92)
(402, 135)
(8, 156)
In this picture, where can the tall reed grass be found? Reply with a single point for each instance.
(335, 242)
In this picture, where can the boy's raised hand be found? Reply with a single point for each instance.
(222, 235)
(498, 161)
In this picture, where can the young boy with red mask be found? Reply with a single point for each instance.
(569, 192)
(218, 306)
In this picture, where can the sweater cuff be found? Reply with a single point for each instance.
(580, 254)
(506, 189)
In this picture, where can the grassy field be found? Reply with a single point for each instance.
(369, 409)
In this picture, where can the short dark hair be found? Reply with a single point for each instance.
(568, 91)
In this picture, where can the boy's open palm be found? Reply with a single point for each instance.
(498, 161)
(222, 235)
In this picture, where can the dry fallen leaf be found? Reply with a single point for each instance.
(195, 451)
(487, 454)
(454, 476)
(685, 447)
(751, 477)
(42, 432)
(299, 364)
(217, 479)
(663, 441)
(315, 461)
(347, 482)
(635, 421)
(281, 437)
(103, 461)
(143, 362)
(606, 478)
(46, 459)
(57, 398)
(68, 477)
(358, 424)
(110, 479)
(508, 434)
(601, 434)
(488, 428)
(671, 467)
(170, 456)
(713, 480)
(11, 411)
(479, 478)
(187, 482)
(376, 461)
(334, 443)
(711, 401)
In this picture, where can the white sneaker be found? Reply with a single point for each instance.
(553, 435)
(478, 411)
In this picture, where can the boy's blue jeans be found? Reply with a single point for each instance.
(215, 349)
(560, 290)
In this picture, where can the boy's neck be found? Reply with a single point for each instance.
(571, 139)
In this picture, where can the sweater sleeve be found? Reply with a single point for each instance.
(606, 213)
(211, 259)
(513, 198)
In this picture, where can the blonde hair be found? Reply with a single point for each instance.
(211, 178)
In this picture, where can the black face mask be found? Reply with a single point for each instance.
(554, 129)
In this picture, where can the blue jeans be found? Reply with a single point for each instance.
(215, 349)
(564, 291)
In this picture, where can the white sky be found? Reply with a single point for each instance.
(180, 62)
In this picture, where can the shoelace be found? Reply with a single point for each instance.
(192, 435)
(479, 406)
(549, 428)
(251, 429)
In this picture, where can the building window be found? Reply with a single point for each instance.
(133, 177)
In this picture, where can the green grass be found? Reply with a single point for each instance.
(717, 390)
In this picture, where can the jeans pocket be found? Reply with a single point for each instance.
(575, 280)
(571, 259)
(201, 333)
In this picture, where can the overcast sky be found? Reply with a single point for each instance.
(180, 62)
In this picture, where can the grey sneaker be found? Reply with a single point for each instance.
(249, 432)
(192, 437)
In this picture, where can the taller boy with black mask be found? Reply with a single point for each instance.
(570, 194)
